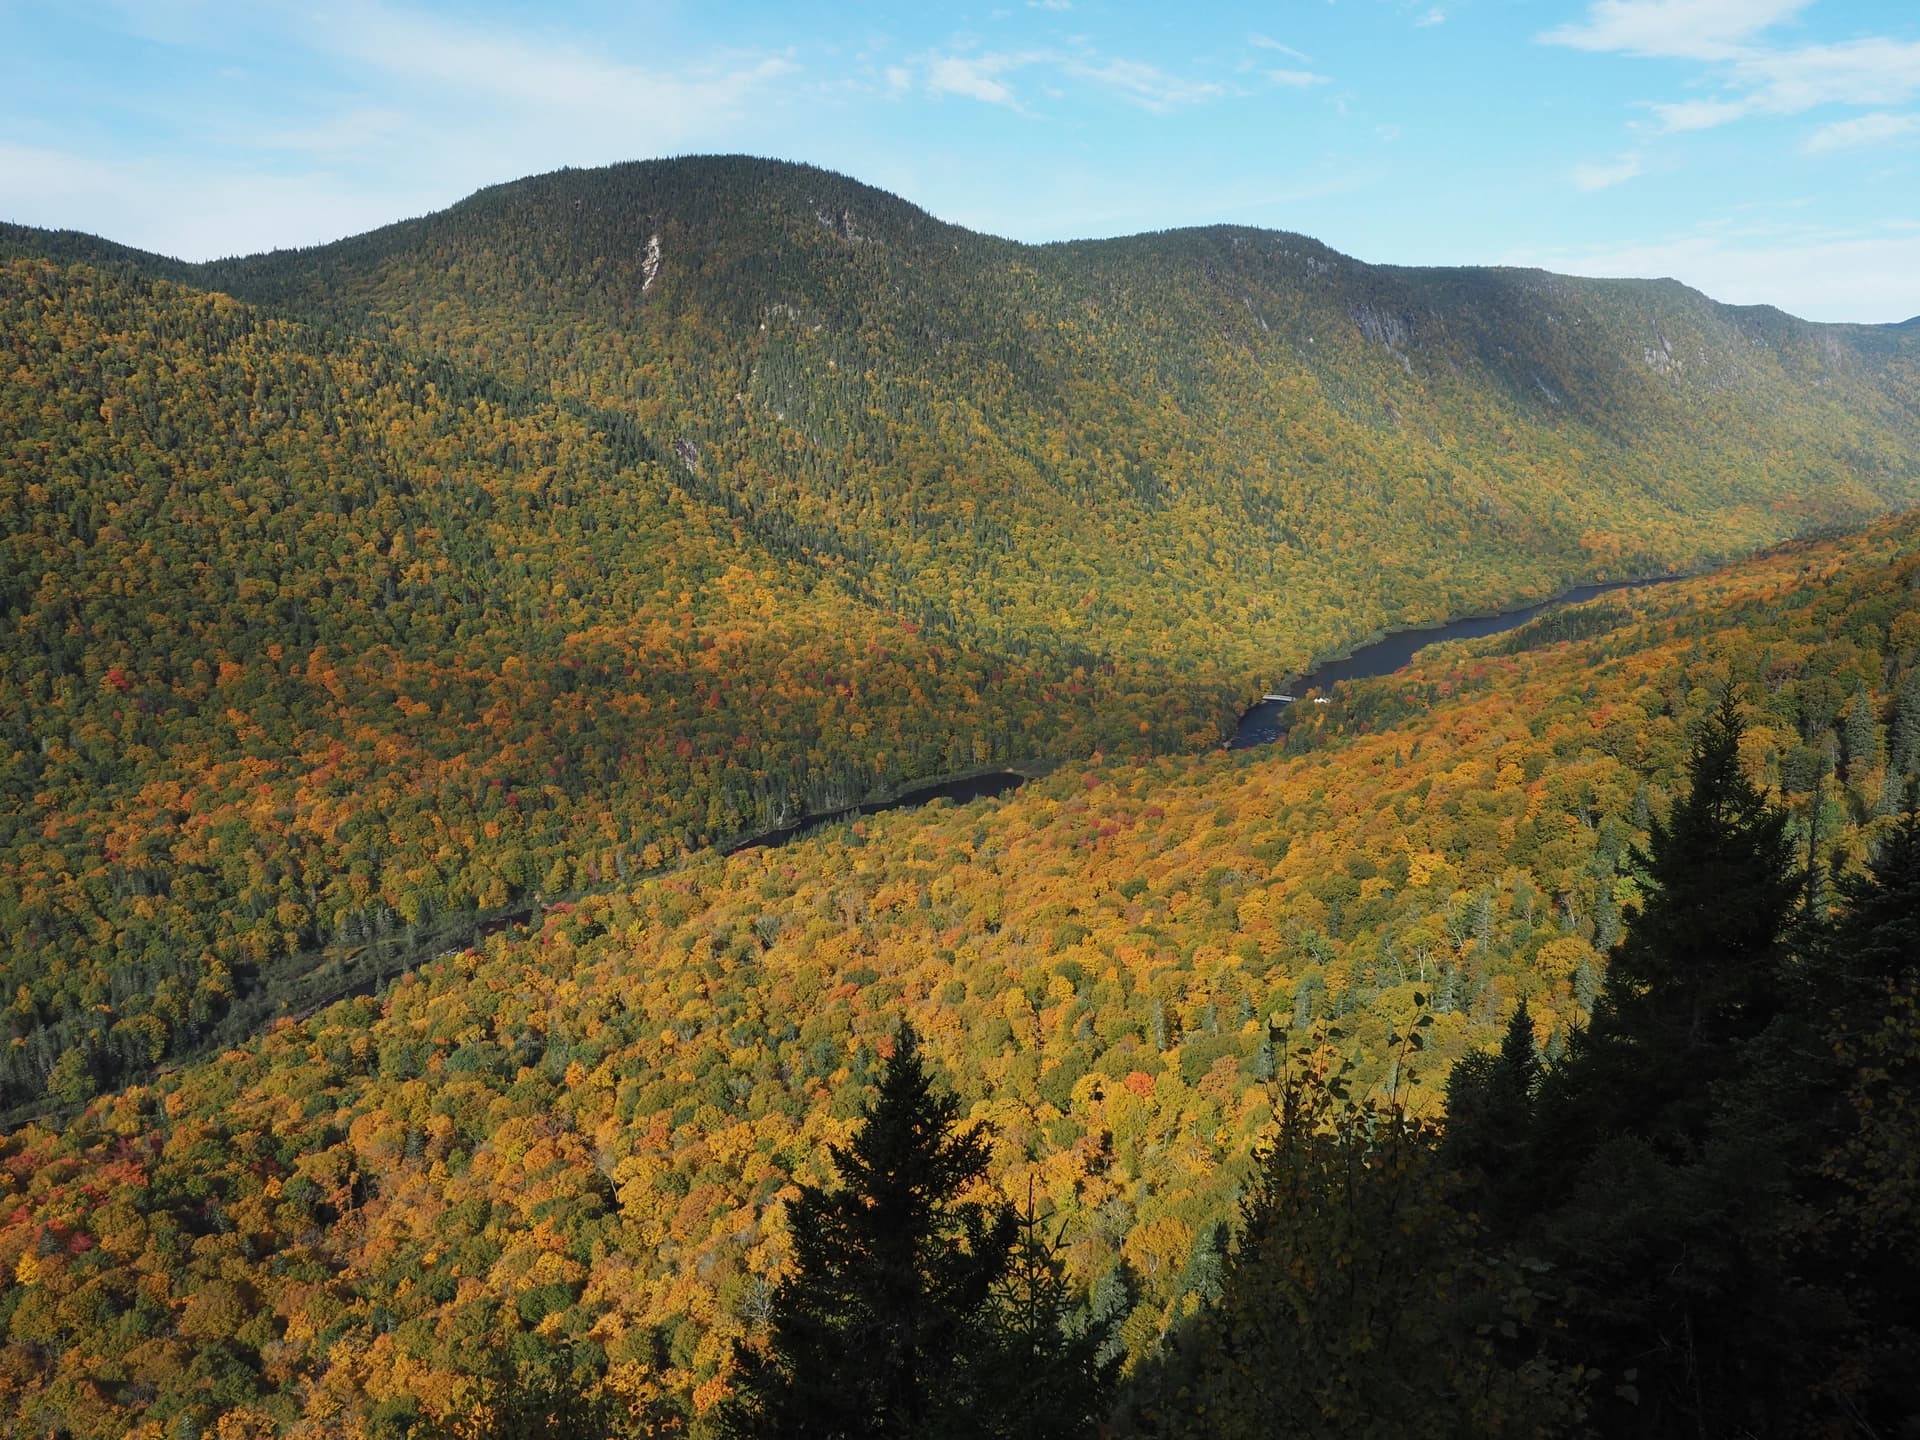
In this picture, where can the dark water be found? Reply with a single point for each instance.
(970, 787)
(1265, 722)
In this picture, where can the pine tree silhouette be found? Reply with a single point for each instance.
(885, 1325)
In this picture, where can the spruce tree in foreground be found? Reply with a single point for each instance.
(1667, 1141)
(1356, 1304)
(1489, 1118)
(1704, 964)
(886, 1326)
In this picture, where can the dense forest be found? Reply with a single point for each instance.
(315, 653)
(573, 1148)
(357, 599)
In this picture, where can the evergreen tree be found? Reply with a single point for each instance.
(1356, 1301)
(1489, 1116)
(1668, 1137)
(1704, 963)
(885, 1324)
(1862, 734)
(1053, 1367)
(1903, 746)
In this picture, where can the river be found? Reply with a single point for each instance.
(1265, 722)
(1261, 725)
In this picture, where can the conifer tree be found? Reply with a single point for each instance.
(1656, 1146)
(884, 1327)
(1053, 1373)
(1489, 1115)
(1703, 964)
(1355, 1302)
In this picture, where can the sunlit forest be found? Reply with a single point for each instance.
(580, 1134)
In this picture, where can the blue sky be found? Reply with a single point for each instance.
(1763, 150)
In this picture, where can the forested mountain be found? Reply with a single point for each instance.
(313, 645)
(611, 513)
(576, 1140)
(1134, 444)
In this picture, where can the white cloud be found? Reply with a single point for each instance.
(1700, 114)
(1755, 78)
(1297, 79)
(1604, 175)
(1049, 4)
(1792, 82)
(1863, 130)
(540, 78)
(191, 213)
(1435, 16)
(405, 112)
(899, 80)
(1674, 29)
(982, 77)
(1145, 85)
(1874, 71)
(977, 77)
(1870, 275)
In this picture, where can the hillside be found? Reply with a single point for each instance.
(1221, 447)
(316, 650)
(583, 1132)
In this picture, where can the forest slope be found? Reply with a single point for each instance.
(582, 1134)
(1199, 445)
(313, 648)
(608, 513)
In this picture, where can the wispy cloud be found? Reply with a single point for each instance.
(396, 111)
(1674, 29)
(1145, 85)
(186, 211)
(986, 77)
(1267, 42)
(978, 77)
(1871, 129)
(1686, 115)
(1435, 16)
(1606, 174)
(517, 69)
(1297, 79)
(1755, 75)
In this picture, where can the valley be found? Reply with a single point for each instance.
(503, 718)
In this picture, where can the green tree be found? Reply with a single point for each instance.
(1489, 1116)
(886, 1322)
(1869, 1222)
(1356, 1301)
(1668, 1139)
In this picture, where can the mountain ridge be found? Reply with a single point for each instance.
(20, 239)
